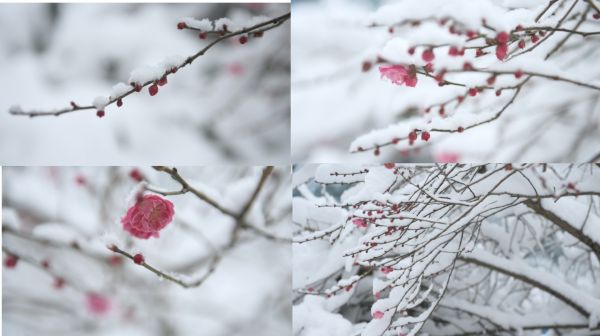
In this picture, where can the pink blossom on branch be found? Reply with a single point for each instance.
(359, 222)
(399, 75)
(149, 215)
(97, 304)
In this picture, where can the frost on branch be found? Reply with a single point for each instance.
(444, 81)
(447, 249)
(140, 249)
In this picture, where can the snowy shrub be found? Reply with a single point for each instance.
(446, 81)
(447, 249)
(118, 251)
(216, 83)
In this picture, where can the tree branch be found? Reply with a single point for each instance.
(549, 215)
(74, 107)
(185, 284)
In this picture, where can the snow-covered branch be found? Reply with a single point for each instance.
(452, 82)
(399, 250)
(154, 77)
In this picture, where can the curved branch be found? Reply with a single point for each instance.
(523, 272)
(551, 216)
(187, 187)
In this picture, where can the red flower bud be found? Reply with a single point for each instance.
(518, 74)
(162, 81)
(138, 259)
(153, 89)
(502, 37)
(428, 55)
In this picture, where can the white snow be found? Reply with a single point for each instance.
(146, 73)
(119, 90)
(576, 214)
(338, 108)
(202, 24)
(100, 102)
(225, 22)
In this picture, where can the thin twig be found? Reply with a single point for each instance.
(185, 186)
(185, 284)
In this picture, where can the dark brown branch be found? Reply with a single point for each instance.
(238, 217)
(263, 178)
(440, 130)
(539, 209)
(550, 3)
(185, 186)
(527, 280)
(185, 284)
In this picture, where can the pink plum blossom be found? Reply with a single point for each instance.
(149, 215)
(378, 314)
(359, 222)
(399, 75)
(97, 304)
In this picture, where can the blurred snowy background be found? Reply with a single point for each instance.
(231, 105)
(60, 220)
(336, 107)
